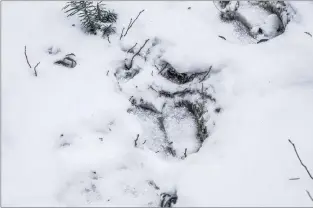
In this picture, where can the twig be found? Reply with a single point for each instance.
(131, 48)
(262, 41)
(144, 142)
(132, 22)
(153, 89)
(108, 72)
(163, 68)
(136, 54)
(136, 140)
(294, 147)
(308, 33)
(222, 37)
(109, 39)
(156, 67)
(309, 195)
(185, 153)
(35, 69)
(206, 74)
(27, 58)
(293, 179)
(122, 33)
(202, 91)
(152, 183)
(70, 54)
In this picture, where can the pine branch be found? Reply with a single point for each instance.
(294, 147)
(92, 17)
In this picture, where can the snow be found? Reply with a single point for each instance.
(66, 123)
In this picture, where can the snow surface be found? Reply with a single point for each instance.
(68, 140)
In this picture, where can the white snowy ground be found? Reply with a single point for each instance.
(265, 90)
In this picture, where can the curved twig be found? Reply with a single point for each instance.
(307, 170)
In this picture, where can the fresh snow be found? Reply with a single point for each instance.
(68, 135)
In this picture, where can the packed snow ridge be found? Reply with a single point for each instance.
(157, 104)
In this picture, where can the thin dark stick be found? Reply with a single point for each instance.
(309, 195)
(222, 37)
(109, 39)
(136, 54)
(185, 153)
(308, 33)
(144, 142)
(163, 68)
(131, 19)
(70, 54)
(132, 22)
(294, 147)
(293, 179)
(136, 140)
(27, 58)
(131, 48)
(35, 69)
(206, 74)
(122, 33)
(108, 72)
(153, 89)
(202, 91)
(156, 67)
